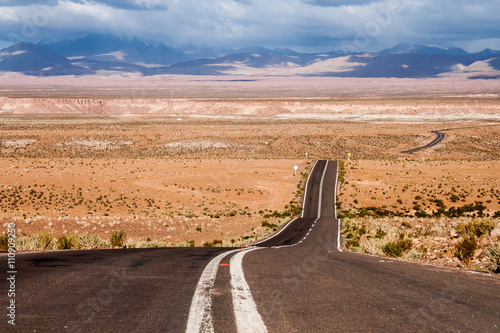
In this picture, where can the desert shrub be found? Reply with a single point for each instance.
(28, 243)
(397, 248)
(65, 243)
(493, 251)
(392, 250)
(4, 242)
(362, 230)
(148, 244)
(353, 230)
(350, 243)
(86, 241)
(484, 227)
(187, 243)
(464, 250)
(118, 238)
(468, 208)
(215, 242)
(421, 214)
(35, 243)
(345, 214)
(405, 224)
(478, 228)
(416, 253)
(379, 233)
(44, 241)
(269, 225)
(372, 245)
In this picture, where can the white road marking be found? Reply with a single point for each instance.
(200, 313)
(247, 317)
(310, 229)
(305, 189)
(276, 234)
(303, 205)
(335, 210)
(338, 238)
(321, 190)
(335, 187)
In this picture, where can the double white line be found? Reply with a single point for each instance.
(246, 315)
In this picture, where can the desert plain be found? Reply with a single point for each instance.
(184, 161)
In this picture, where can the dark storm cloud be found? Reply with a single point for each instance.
(301, 24)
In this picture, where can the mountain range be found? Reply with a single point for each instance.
(108, 54)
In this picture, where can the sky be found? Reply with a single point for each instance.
(302, 25)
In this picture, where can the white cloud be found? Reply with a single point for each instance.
(301, 24)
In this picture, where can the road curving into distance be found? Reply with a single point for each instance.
(440, 137)
(298, 280)
(437, 140)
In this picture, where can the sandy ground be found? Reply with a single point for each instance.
(48, 136)
(398, 188)
(161, 199)
(164, 178)
(415, 181)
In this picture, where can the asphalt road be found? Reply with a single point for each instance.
(296, 281)
(437, 140)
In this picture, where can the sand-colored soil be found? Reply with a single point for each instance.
(420, 182)
(161, 199)
(392, 195)
(48, 136)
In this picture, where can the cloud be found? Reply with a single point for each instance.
(318, 25)
(12, 3)
(337, 3)
(122, 4)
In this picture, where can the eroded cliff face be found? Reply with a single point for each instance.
(341, 109)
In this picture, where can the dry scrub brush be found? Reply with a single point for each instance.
(445, 241)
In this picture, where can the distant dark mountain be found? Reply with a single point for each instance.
(109, 54)
(488, 52)
(263, 50)
(407, 48)
(194, 53)
(107, 47)
(403, 65)
(30, 58)
(112, 66)
(36, 60)
(246, 60)
(495, 62)
(387, 65)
